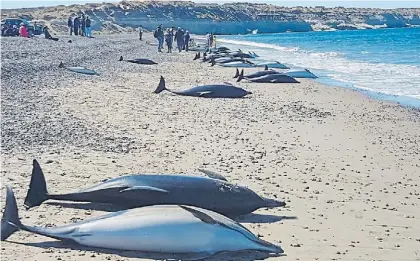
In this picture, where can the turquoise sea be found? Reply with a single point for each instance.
(383, 63)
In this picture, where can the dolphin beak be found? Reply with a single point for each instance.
(272, 203)
(249, 93)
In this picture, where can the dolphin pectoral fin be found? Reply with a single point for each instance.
(204, 93)
(81, 235)
(200, 215)
(212, 174)
(143, 188)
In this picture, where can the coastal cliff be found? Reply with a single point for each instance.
(231, 18)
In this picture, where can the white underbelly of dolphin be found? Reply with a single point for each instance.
(161, 229)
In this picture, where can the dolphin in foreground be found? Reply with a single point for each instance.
(78, 69)
(213, 192)
(138, 61)
(221, 90)
(174, 229)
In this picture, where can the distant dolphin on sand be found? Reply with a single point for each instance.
(197, 56)
(174, 229)
(138, 61)
(292, 73)
(271, 78)
(253, 75)
(225, 90)
(212, 192)
(78, 69)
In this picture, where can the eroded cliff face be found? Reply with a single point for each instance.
(233, 18)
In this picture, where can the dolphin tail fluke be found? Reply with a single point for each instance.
(37, 192)
(195, 57)
(162, 86)
(10, 222)
(121, 58)
(236, 74)
(241, 76)
(61, 65)
(266, 67)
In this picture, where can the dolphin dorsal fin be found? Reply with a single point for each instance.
(212, 174)
(266, 67)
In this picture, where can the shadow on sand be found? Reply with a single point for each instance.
(228, 256)
(249, 218)
(262, 218)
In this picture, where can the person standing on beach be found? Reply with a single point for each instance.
(208, 41)
(83, 26)
(214, 41)
(211, 39)
(179, 36)
(186, 40)
(88, 28)
(76, 25)
(159, 35)
(141, 33)
(169, 39)
(70, 25)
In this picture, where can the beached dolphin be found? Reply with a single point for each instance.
(78, 69)
(220, 90)
(223, 60)
(300, 74)
(174, 229)
(292, 73)
(255, 74)
(212, 192)
(138, 61)
(244, 63)
(271, 78)
(275, 64)
(197, 56)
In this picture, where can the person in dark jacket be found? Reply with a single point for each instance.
(186, 40)
(76, 25)
(88, 32)
(159, 35)
(179, 36)
(70, 25)
(83, 26)
(48, 35)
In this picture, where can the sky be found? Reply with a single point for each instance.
(5, 4)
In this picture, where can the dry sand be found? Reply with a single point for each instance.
(348, 166)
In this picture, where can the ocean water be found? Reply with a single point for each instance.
(383, 63)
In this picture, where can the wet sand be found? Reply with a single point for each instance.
(347, 165)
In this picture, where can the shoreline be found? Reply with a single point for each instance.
(346, 164)
(403, 100)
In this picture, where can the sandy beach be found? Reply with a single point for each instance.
(348, 166)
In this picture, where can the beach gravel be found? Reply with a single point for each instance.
(347, 165)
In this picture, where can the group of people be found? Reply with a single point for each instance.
(80, 25)
(23, 31)
(171, 35)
